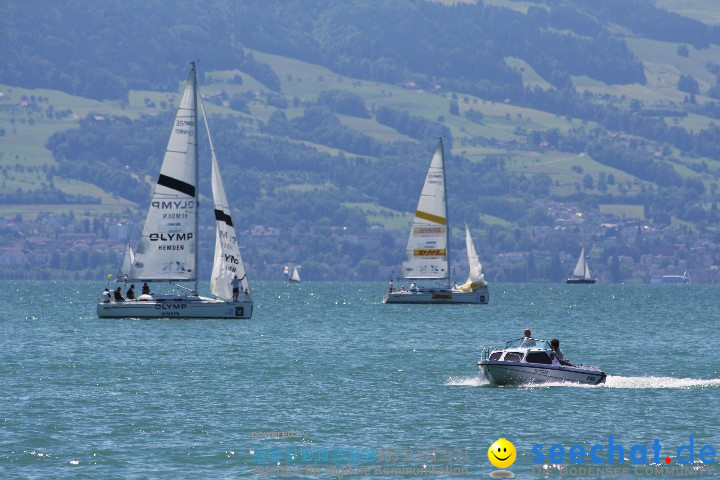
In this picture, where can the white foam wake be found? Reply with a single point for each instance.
(612, 381)
(660, 382)
(476, 381)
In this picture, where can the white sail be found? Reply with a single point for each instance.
(228, 261)
(426, 254)
(475, 276)
(168, 246)
(587, 275)
(295, 277)
(128, 260)
(581, 269)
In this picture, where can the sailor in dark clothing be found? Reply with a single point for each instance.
(118, 295)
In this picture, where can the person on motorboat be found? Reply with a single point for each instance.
(528, 341)
(555, 344)
(413, 287)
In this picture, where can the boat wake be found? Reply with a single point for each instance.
(659, 382)
(612, 381)
(475, 381)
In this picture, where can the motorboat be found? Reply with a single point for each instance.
(530, 360)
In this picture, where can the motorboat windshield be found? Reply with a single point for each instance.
(528, 342)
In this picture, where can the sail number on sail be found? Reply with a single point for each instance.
(184, 123)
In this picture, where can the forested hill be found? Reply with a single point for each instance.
(102, 49)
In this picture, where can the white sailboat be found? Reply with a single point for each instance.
(128, 260)
(167, 252)
(426, 254)
(295, 276)
(581, 274)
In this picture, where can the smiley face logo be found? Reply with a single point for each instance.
(502, 453)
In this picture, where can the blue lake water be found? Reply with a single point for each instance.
(83, 397)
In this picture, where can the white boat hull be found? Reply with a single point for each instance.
(480, 295)
(516, 373)
(176, 307)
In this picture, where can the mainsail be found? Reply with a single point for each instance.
(227, 262)
(168, 246)
(426, 255)
(475, 276)
(582, 269)
(295, 277)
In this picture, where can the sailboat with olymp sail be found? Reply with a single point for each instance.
(168, 248)
(427, 251)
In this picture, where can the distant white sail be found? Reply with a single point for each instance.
(582, 269)
(128, 260)
(426, 254)
(168, 246)
(295, 277)
(475, 276)
(228, 261)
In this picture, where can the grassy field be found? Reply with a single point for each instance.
(623, 211)
(377, 215)
(530, 77)
(704, 10)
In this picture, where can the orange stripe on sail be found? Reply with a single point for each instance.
(430, 217)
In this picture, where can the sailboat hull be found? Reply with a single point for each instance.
(481, 295)
(176, 307)
(580, 280)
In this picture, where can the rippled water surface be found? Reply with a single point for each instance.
(82, 397)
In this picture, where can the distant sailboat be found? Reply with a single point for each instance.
(128, 260)
(426, 254)
(294, 277)
(581, 274)
(168, 248)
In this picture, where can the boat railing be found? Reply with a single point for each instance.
(485, 352)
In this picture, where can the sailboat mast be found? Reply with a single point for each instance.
(197, 171)
(447, 219)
